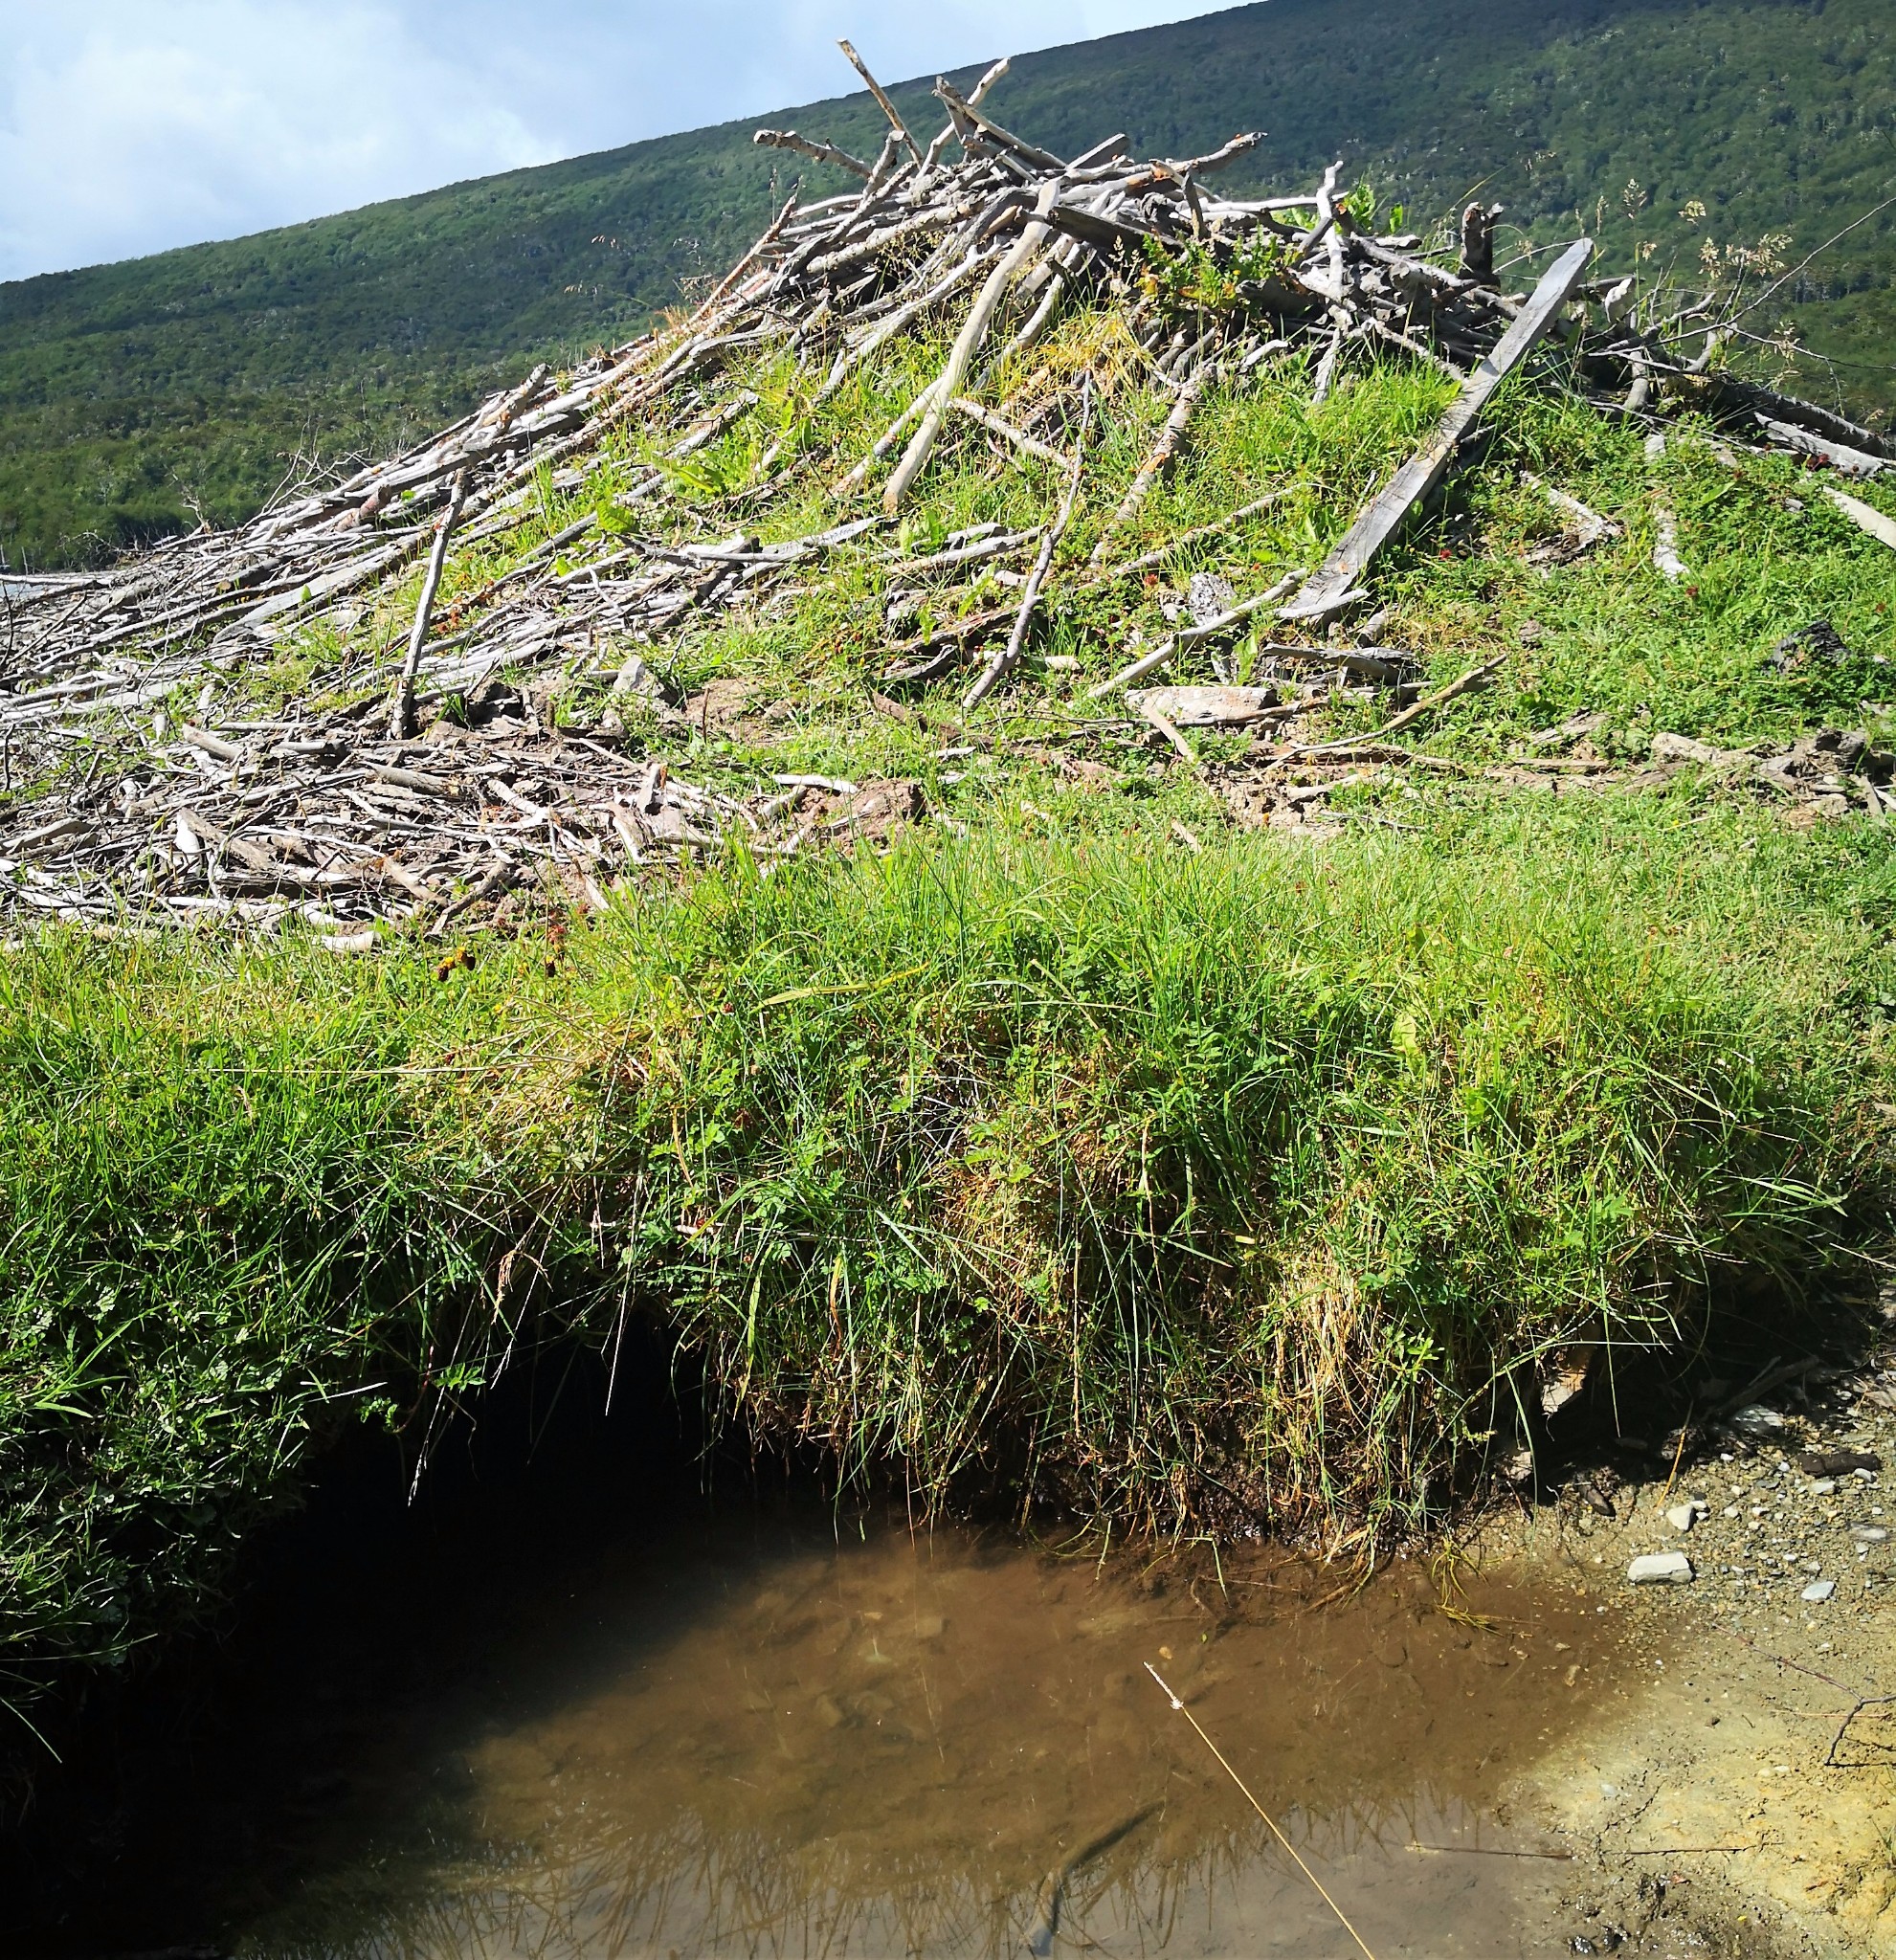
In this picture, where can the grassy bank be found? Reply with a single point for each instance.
(1176, 1187)
(1068, 1145)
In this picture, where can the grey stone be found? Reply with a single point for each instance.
(1669, 748)
(1661, 1568)
(1870, 1534)
(1209, 595)
(1818, 1590)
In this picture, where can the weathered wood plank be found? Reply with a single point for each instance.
(1337, 579)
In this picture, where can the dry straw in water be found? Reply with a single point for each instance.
(1343, 1918)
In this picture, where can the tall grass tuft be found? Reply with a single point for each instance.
(1238, 1188)
(1245, 1188)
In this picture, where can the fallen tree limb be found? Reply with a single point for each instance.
(1000, 426)
(1157, 463)
(1190, 635)
(822, 152)
(1840, 455)
(1151, 709)
(967, 344)
(1455, 689)
(1009, 658)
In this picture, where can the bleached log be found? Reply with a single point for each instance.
(1209, 707)
(967, 344)
(1863, 516)
(1840, 455)
(1666, 558)
(1589, 526)
(401, 717)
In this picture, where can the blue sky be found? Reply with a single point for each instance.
(130, 126)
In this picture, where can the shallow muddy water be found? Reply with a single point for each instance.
(757, 1738)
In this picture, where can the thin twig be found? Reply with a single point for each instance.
(1830, 1761)
(1008, 657)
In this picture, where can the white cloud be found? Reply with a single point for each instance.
(130, 126)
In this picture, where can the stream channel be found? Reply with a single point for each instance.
(669, 1723)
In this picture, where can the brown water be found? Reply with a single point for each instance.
(755, 1739)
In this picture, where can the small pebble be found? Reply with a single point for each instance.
(1870, 1534)
(1683, 1517)
(1818, 1590)
(1824, 1486)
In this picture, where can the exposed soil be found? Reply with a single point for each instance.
(1738, 1784)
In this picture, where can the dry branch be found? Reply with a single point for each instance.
(1157, 463)
(895, 124)
(1009, 658)
(401, 717)
(822, 152)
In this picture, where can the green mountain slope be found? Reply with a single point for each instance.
(132, 393)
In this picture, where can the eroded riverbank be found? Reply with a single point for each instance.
(769, 1732)
(618, 1696)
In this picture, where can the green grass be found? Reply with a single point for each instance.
(128, 392)
(1179, 1189)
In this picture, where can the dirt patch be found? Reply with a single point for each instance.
(1742, 1776)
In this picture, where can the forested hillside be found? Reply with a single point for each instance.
(133, 394)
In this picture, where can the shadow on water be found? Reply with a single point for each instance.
(605, 1705)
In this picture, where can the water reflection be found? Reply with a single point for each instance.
(942, 1746)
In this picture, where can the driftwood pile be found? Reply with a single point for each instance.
(135, 795)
